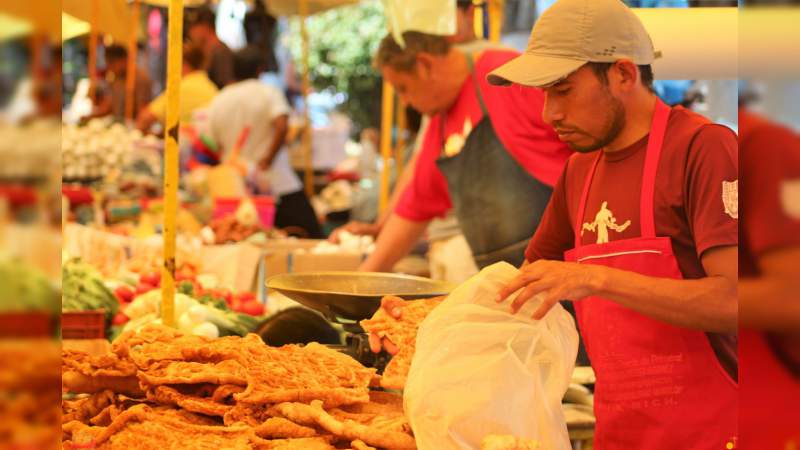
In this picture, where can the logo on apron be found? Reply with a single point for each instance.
(604, 220)
(455, 142)
(730, 198)
(790, 198)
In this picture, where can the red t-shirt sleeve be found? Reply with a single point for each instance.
(711, 188)
(427, 196)
(771, 197)
(554, 236)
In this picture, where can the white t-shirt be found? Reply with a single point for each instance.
(256, 104)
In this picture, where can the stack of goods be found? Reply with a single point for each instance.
(229, 229)
(93, 151)
(402, 333)
(29, 372)
(84, 290)
(159, 388)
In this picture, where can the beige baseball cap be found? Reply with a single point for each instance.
(572, 33)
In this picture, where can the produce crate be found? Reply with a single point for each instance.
(25, 325)
(83, 325)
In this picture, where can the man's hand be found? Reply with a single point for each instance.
(556, 281)
(359, 228)
(394, 307)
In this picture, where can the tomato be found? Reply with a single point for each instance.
(152, 278)
(144, 287)
(124, 294)
(120, 319)
(254, 308)
(245, 296)
(224, 294)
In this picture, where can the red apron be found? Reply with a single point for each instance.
(658, 386)
(769, 398)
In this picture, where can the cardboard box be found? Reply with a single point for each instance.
(293, 255)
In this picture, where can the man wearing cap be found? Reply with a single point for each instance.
(641, 232)
(486, 153)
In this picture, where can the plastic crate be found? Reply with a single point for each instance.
(25, 325)
(83, 325)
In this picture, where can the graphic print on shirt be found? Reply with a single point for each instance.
(603, 221)
(730, 198)
(790, 198)
(455, 142)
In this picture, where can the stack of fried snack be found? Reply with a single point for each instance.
(402, 332)
(160, 389)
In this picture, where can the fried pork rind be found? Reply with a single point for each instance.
(188, 372)
(82, 373)
(278, 427)
(221, 393)
(360, 445)
(346, 429)
(167, 395)
(403, 333)
(301, 374)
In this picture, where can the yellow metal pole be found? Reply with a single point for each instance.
(495, 19)
(93, 38)
(477, 18)
(386, 143)
(130, 78)
(402, 130)
(307, 129)
(174, 63)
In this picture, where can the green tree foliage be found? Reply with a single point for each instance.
(342, 42)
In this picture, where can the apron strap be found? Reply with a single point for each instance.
(655, 142)
(477, 86)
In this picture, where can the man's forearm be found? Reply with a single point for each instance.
(400, 186)
(396, 240)
(708, 304)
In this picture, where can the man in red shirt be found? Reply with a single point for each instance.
(486, 153)
(641, 232)
(769, 338)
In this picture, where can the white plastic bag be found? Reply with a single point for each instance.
(479, 370)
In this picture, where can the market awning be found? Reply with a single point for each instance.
(29, 17)
(72, 27)
(113, 16)
(13, 27)
(294, 7)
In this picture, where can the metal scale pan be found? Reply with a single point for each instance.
(347, 297)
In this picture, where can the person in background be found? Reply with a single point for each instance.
(297, 325)
(769, 280)
(263, 108)
(196, 90)
(112, 100)
(202, 32)
(450, 257)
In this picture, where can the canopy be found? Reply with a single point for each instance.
(113, 16)
(72, 27)
(13, 27)
(293, 7)
(27, 16)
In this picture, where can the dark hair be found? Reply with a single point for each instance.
(297, 325)
(201, 16)
(115, 52)
(600, 70)
(404, 59)
(248, 63)
(464, 4)
(193, 56)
